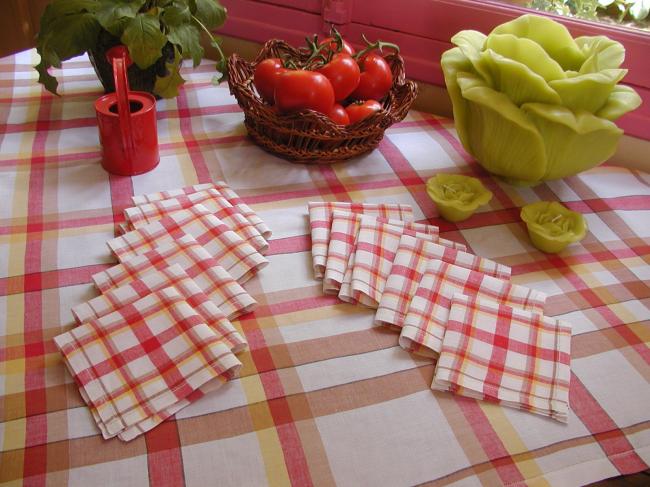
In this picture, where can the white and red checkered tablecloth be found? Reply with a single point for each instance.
(325, 397)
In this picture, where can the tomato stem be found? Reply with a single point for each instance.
(371, 46)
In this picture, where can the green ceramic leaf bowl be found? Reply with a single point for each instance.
(456, 196)
(552, 226)
(531, 103)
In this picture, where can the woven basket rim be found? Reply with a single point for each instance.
(306, 129)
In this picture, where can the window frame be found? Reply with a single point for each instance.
(423, 28)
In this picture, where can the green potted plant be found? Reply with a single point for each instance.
(158, 33)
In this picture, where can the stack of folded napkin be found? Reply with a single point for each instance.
(489, 336)
(160, 336)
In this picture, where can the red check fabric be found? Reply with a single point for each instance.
(222, 188)
(373, 254)
(173, 276)
(143, 358)
(346, 291)
(426, 319)
(408, 268)
(214, 280)
(498, 353)
(234, 254)
(324, 397)
(216, 204)
(320, 223)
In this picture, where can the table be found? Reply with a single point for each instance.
(325, 398)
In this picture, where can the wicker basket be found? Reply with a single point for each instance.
(309, 136)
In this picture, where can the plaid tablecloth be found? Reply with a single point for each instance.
(324, 397)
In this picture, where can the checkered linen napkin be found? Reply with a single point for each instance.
(320, 223)
(206, 272)
(173, 276)
(220, 186)
(234, 254)
(518, 358)
(411, 259)
(372, 256)
(346, 292)
(426, 319)
(142, 359)
(216, 204)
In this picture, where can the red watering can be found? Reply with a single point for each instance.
(127, 123)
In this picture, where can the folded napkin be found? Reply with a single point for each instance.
(136, 362)
(216, 204)
(426, 319)
(173, 276)
(220, 186)
(343, 235)
(320, 223)
(233, 253)
(372, 256)
(206, 272)
(411, 258)
(515, 357)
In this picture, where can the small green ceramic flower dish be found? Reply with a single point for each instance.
(457, 196)
(552, 226)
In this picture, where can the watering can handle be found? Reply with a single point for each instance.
(118, 55)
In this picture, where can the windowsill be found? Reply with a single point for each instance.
(631, 153)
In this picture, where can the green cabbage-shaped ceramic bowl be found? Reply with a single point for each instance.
(531, 103)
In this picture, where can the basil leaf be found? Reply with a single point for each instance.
(209, 12)
(67, 37)
(186, 37)
(114, 15)
(167, 86)
(45, 78)
(176, 14)
(144, 39)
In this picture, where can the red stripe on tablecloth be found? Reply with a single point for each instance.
(335, 186)
(288, 245)
(50, 279)
(603, 429)
(121, 192)
(294, 454)
(164, 458)
(490, 441)
(198, 161)
(58, 224)
(266, 310)
(407, 175)
(35, 465)
(603, 256)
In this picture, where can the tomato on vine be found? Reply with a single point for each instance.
(376, 78)
(300, 89)
(265, 77)
(339, 115)
(343, 72)
(357, 111)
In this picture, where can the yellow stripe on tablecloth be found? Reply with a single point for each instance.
(512, 442)
(264, 426)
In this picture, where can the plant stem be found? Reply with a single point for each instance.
(214, 43)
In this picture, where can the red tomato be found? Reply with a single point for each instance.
(339, 115)
(376, 78)
(359, 111)
(299, 89)
(265, 77)
(343, 72)
(347, 48)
